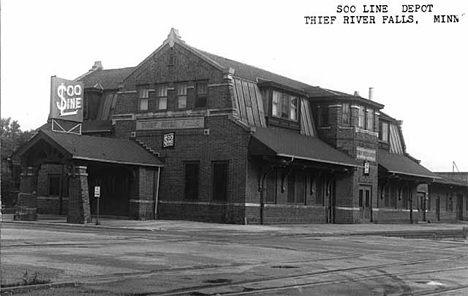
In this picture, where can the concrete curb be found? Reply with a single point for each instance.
(27, 288)
(417, 233)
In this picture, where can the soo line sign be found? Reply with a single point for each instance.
(66, 99)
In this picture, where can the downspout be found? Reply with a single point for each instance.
(410, 201)
(156, 192)
(261, 188)
(330, 217)
(61, 190)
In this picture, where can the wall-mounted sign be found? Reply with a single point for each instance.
(366, 168)
(365, 154)
(171, 123)
(97, 191)
(66, 99)
(168, 140)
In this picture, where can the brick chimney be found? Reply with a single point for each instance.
(97, 66)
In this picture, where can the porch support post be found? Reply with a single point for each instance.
(26, 206)
(78, 203)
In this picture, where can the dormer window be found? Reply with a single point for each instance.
(383, 133)
(370, 119)
(345, 114)
(366, 118)
(361, 117)
(284, 106)
(322, 115)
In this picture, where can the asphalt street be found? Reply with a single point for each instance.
(115, 261)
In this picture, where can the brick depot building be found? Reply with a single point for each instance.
(190, 135)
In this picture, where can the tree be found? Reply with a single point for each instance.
(12, 137)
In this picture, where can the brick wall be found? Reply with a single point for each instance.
(193, 145)
(142, 200)
(280, 211)
(449, 207)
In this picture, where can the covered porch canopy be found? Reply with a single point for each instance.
(307, 150)
(403, 167)
(77, 153)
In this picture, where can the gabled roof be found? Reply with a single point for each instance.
(255, 74)
(288, 144)
(385, 116)
(448, 181)
(402, 165)
(108, 79)
(241, 70)
(453, 178)
(89, 148)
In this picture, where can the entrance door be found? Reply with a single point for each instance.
(421, 206)
(331, 203)
(460, 206)
(365, 203)
(438, 208)
(115, 191)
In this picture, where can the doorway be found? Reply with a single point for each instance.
(460, 206)
(365, 203)
(421, 205)
(115, 190)
(331, 202)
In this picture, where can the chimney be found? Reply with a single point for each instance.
(97, 66)
(356, 93)
(371, 93)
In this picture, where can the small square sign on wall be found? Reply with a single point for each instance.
(168, 140)
(366, 168)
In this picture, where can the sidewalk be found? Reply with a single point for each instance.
(430, 229)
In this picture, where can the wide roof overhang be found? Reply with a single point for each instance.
(270, 142)
(403, 166)
(56, 147)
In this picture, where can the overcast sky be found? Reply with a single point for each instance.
(418, 71)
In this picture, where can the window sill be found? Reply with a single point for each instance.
(346, 127)
(364, 131)
(285, 119)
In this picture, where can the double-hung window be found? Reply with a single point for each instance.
(182, 96)
(361, 117)
(345, 114)
(322, 115)
(220, 171)
(202, 93)
(284, 106)
(161, 97)
(191, 180)
(369, 119)
(383, 134)
(143, 96)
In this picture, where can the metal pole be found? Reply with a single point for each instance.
(97, 211)
(156, 193)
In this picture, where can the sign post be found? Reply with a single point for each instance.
(97, 195)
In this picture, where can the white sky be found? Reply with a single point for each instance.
(418, 71)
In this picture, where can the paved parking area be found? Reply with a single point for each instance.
(121, 257)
